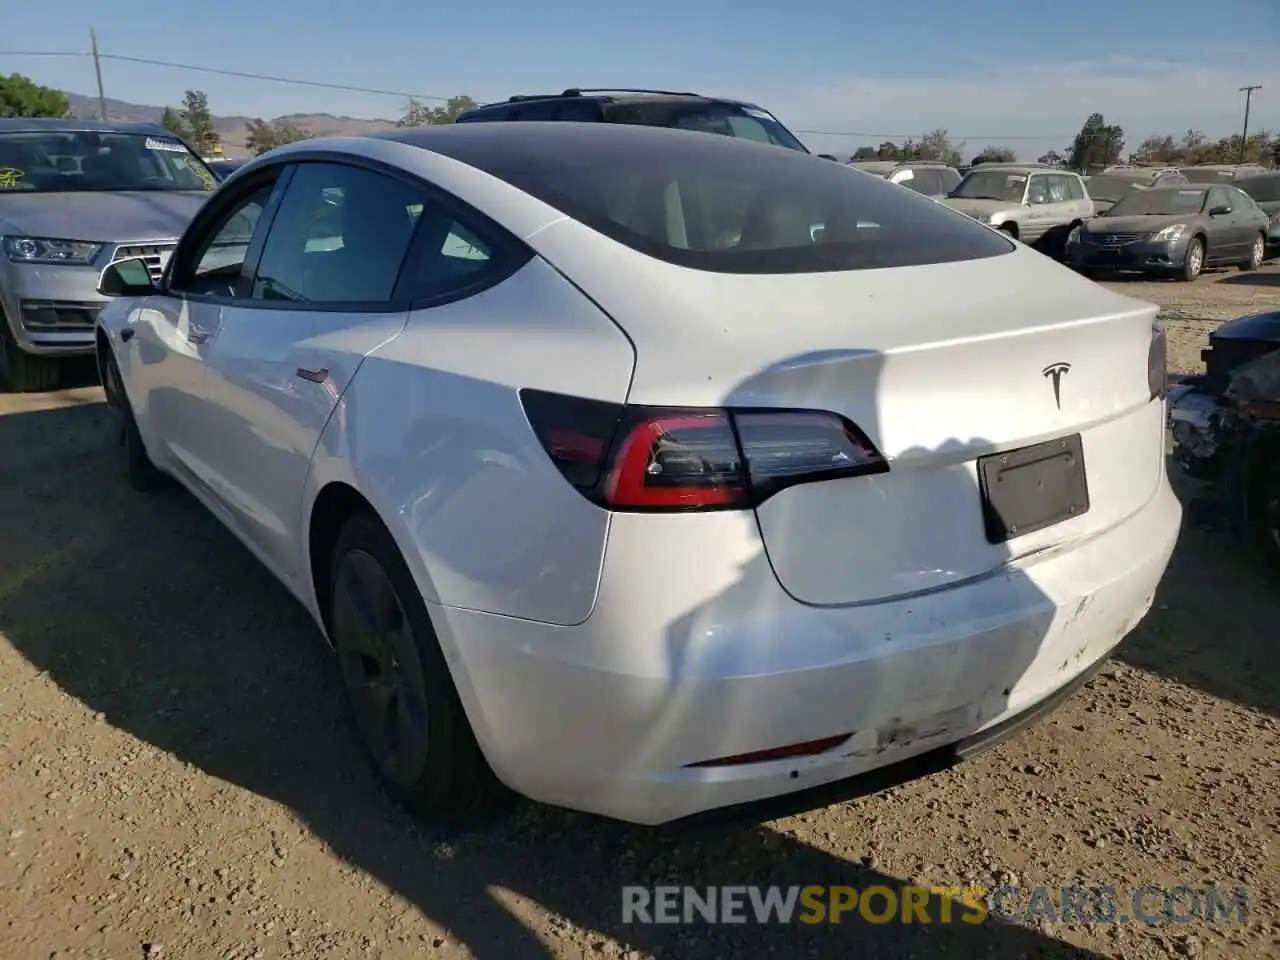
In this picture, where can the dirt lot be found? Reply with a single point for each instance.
(177, 778)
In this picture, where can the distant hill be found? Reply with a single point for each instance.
(231, 129)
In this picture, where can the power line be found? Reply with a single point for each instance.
(958, 136)
(229, 73)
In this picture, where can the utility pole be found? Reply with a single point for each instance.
(1244, 137)
(97, 68)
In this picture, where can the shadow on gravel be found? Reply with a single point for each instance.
(147, 611)
(1214, 623)
(1253, 279)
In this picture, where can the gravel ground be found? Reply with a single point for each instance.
(178, 778)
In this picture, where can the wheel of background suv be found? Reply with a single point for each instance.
(21, 372)
(1193, 261)
(398, 685)
(142, 473)
(1257, 253)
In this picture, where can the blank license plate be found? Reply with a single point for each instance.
(1032, 488)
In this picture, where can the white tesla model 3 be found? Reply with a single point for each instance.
(649, 472)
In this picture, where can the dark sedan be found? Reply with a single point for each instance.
(1173, 231)
(1265, 191)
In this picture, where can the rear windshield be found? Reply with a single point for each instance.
(720, 204)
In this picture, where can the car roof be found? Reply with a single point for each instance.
(545, 141)
(616, 95)
(1169, 187)
(1028, 167)
(1140, 173)
(61, 125)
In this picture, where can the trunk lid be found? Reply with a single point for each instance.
(939, 365)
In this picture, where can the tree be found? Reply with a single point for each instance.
(172, 121)
(934, 146)
(418, 115)
(1097, 145)
(1157, 150)
(996, 154)
(1051, 159)
(888, 151)
(264, 135)
(22, 97)
(199, 122)
(864, 153)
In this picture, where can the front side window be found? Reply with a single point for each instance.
(340, 236)
(215, 264)
(90, 161)
(992, 185)
(711, 203)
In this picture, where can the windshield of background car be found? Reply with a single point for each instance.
(48, 161)
(1262, 189)
(749, 123)
(726, 119)
(719, 204)
(1159, 203)
(1208, 176)
(993, 185)
(1110, 189)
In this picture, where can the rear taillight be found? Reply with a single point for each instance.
(634, 458)
(1158, 363)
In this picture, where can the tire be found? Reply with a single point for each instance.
(144, 476)
(399, 689)
(1257, 253)
(1193, 261)
(21, 372)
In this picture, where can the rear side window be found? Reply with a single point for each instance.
(340, 236)
(722, 205)
(950, 179)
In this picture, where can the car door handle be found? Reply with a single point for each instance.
(315, 376)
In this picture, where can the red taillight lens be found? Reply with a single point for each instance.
(664, 459)
(1158, 363)
(678, 461)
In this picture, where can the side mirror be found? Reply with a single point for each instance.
(126, 278)
(1220, 210)
(827, 156)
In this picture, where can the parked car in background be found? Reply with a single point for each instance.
(1031, 203)
(1221, 172)
(1173, 231)
(76, 195)
(225, 168)
(649, 108)
(929, 177)
(580, 515)
(1113, 183)
(1265, 192)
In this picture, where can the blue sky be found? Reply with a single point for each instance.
(1022, 73)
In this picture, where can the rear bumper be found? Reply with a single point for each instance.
(695, 664)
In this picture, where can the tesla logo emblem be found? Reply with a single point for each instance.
(1055, 372)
